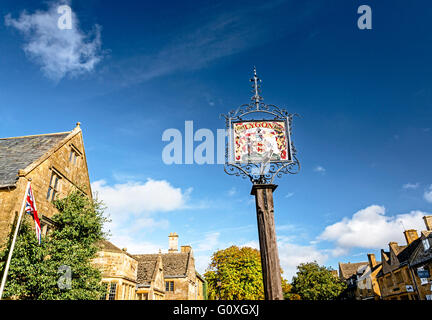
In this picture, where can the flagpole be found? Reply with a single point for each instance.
(13, 242)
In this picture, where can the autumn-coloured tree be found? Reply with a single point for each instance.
(235, 274)
(315, 282)
(287, 291)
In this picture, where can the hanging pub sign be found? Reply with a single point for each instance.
(259, 145)
(261, 141)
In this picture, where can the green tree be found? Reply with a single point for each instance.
(287, 291)
(235, 274)
(314, 282)
(40, 272)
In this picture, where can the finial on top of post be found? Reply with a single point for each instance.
(257, 98)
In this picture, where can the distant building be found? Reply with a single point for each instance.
(161, 276)
(406, 272)
(349, 273)
(421, 262)
(55, 163)
(367, 283)
(119, 272)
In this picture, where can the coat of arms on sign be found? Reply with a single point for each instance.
(261, 141)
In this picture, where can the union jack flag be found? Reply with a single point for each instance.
(30, 208)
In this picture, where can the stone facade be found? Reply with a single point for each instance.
(421, 263)
(161, 276)
(349, 273)
(404, 272)
(363, 283)
(119, 272)
(41, 159)
(56, 164)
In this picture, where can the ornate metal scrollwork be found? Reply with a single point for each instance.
(260, 173)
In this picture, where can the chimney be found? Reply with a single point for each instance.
(410, 235)
(428, 222)
(372, 260)
(173, 242)
(186, 249)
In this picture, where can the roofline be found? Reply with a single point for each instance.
(200, 276)
(421, 262)
(47, 154)
(38, 135)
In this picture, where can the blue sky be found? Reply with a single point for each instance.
(130, 70)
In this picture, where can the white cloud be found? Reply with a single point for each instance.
(428, 194)
(130, 205)
(149, 224)
(371, 228)
(252, 244)
(411, 185)
(133, 209)
(139, 197)
(320, 169)
(135, 246)
(289, 194)
(291, 255)
(210, 242)
(202, 263)
(59, 52)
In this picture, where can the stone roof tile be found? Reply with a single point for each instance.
(349, 269)
(18, 153)
(174, 264)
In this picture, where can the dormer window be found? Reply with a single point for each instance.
(426, 244)
(74, 155)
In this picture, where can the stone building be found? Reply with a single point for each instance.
(160, 276)
(150, 278)
(180, 276)
(421, 262)
(367, 283)
(55, 163)
(405, 274)
(361, 279)
(349, 272)
(395, 279)
(119, 272)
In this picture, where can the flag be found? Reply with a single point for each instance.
(30, 208)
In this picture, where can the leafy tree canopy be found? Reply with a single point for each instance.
(314, 282)
(238, 273)
(40, 272)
